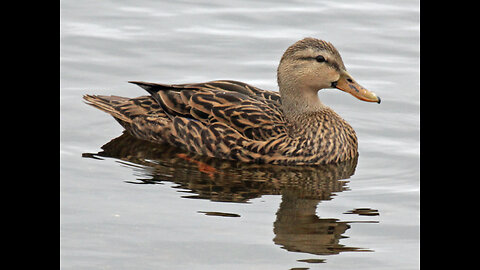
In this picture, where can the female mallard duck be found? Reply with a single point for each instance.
(236, 121)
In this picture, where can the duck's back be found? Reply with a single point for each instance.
(230, 120)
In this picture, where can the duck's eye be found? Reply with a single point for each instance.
(320, 59)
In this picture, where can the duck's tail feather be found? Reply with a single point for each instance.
(109, 104)
(141, 116)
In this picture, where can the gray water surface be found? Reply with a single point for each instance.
(134, 205)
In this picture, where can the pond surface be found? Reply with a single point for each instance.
(130, 204)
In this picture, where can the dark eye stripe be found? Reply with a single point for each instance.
(306, 58)
(333, 64)
(318, 58)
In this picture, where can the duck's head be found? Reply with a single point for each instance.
(312, 64)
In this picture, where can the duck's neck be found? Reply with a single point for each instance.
(297, 102)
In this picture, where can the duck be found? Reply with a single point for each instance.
(234, 120)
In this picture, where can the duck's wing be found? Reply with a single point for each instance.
(252, 112)
(221, 85)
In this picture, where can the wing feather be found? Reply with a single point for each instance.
(253, 112)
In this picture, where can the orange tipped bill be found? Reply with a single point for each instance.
(347, 84)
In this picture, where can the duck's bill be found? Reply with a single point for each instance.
(351, 86)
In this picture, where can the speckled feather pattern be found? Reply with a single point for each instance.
(231, 120)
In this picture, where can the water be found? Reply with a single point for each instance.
(133, 205)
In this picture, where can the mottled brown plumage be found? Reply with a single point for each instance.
(236, 121)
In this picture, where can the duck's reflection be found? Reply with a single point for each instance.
(297, 227)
